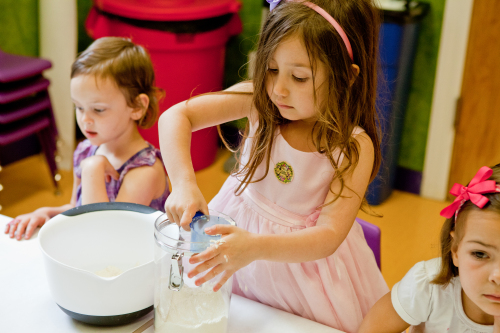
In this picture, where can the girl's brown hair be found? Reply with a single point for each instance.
(130, 67)
(448, 269)
(346, 105)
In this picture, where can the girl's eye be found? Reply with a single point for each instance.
(99, 110)
(298, 79)
(273, 70)
(78, 108)
(479, 255)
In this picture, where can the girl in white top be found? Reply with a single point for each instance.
(459, 292)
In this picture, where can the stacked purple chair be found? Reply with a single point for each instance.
(25, 107)
(372, 235)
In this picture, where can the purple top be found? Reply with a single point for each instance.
(146, 156)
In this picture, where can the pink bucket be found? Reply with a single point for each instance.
(186, 64)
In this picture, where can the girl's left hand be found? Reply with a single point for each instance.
(236, 249)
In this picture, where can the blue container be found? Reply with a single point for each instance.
(397, 45)
(198, 225)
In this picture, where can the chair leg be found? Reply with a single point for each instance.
(44, 136)
(1, 188)
(53, 126)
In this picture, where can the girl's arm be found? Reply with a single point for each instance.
(175, 127)
(29, 222)
(383, 318)
(334, 223)
(140, 185)
(96, 171)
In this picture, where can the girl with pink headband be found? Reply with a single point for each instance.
(460, 291)
(310, 149)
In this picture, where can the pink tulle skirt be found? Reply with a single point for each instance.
(336, 291)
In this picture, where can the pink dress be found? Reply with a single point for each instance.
(337, 290)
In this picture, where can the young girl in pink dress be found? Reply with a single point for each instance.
(311, 148)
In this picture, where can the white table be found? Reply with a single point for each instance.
(26, 304)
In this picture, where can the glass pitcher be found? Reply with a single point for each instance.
(180, 305)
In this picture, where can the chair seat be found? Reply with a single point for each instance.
(372, 236)
(16, 90)
(15, 67)
(19, 131)
(24, 108)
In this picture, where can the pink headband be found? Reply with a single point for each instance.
(328, 17)
(478, 185)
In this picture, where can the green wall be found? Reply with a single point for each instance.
(19, 26)
(416, 123)
(238, 48)
(83, 8)
(19, 34)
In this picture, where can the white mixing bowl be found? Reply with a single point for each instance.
(87, 239)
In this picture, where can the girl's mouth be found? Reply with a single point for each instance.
(90, 134)
(495, 298)
(283, 106)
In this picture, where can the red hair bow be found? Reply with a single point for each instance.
(477, 186)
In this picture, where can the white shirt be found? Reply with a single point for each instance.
(430, 307)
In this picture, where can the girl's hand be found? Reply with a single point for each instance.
(183, 203)
(28, 223)
(99, 163)
(236, 249)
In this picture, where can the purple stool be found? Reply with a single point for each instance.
(13, 91)
(15, 67)
(372, 235)
(39, 125)
(25, 107)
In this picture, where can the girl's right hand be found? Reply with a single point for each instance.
(27, 222)
(183, 203)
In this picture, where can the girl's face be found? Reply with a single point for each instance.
(289, 81)
(102, 112)
(478, 260)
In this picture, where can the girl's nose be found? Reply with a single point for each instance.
(86, 118)
(279, 87)
(495, 275)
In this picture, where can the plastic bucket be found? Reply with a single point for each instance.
(186, 64)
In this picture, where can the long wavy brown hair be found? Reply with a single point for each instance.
(347, 104)
(129, 66)
(448, 270)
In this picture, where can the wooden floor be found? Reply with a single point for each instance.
(410, 224)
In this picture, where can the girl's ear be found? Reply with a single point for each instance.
(355, 73)
(454, 249)
(143, 101)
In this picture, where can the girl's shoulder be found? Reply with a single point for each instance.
(149, 157)
(146, 169)
(425, 271)
(415, 297)
(144, 157)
